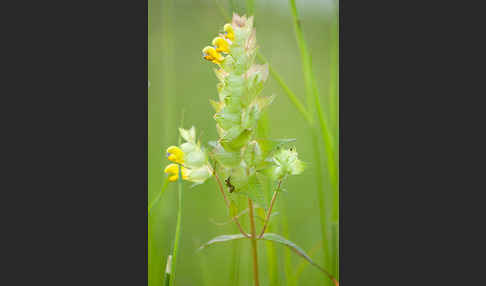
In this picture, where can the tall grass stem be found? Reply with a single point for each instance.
(253, 243)
(177, 232)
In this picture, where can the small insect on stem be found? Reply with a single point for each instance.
(229, 185)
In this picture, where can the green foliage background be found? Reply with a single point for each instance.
(180, 79)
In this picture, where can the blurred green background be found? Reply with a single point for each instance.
(179, 79)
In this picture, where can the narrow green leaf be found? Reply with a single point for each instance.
(277, 238)
(222, 238)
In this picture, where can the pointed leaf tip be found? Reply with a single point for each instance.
(277, 238)
(222, 238)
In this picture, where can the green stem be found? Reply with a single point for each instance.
(178, 231)
(234, 218)
(253, 244)
(267, 218)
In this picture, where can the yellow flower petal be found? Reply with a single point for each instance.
(229, 33)
(172, 169)
(173, 178)
(210, 54)
(221, 45)
(172, 157)
(175, 154)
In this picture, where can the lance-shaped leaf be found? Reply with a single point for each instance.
(277, 238)
(222, 238)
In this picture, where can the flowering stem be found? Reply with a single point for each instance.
(253, 243)
(267, 218)
(177, 232)
(235, 219)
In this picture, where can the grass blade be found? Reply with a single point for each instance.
(179, 217)
(312, 96)
(161, 193)
(313, 99)
(167, 271)
(289, 93)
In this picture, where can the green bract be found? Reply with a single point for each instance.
(196, 166)
(286, 163)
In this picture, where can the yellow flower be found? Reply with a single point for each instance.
(221, 45)
(175, 154)
(228, 32)
(210, 54)
(173, 171)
